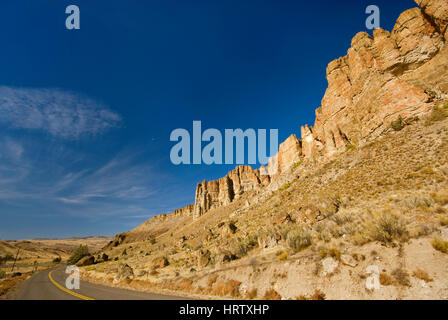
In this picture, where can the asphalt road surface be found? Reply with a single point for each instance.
(50, 285)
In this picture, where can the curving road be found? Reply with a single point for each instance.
(50, 285)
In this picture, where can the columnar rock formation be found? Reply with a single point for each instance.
(390, 75)
(186, 211)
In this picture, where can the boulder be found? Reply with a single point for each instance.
(161, 262)
(227, 256)
(203, 258)
(229, 229)
(329, 266)
(125, 272)
(267, 241)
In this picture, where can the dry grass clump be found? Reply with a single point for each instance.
(271, 294)
(317, 295)
(299, 238)
(402, 277)
(386, 280)
(334, 253)
(440, 245)
(388, 227)
(422, 275)
(251, 294)
(211, 280)
(227, 288)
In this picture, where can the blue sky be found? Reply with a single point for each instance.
(86, 115)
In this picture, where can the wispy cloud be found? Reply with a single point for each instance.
(60, 113)
(12, 167)
(120, 179)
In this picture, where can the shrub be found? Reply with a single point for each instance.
(440, 245)
(444, 221)
(251, 294)
(57, 260)
(2, 274)
(398, 124)
(152, 240)
(298, 239)
(386, 280)
(441, 197)
(350, 147)
(438, 113)
(271, 294)
(389, 227)
(241, 247)
(186, 285)
(252, 240)
(285, 186)
(296, 165)
(79, 253)
(124, 253)
(283, 256)
(334, 253)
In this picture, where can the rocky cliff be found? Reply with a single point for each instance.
(401, 73)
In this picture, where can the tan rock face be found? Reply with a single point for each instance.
(186, 211)
(213, 194)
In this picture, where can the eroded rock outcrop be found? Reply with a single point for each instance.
(391, 74)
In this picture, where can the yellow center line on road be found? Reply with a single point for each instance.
(66, 290)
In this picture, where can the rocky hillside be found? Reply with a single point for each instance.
(365, 186)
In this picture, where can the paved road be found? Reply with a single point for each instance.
(50, 285)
